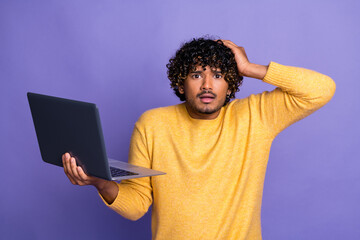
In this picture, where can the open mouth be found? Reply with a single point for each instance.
(207, 98)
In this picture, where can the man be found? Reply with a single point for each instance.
(214, 151)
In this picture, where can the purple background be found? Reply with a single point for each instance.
(113, 53)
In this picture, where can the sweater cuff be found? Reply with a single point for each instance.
(111, 205)
(121, 202)
(280, 75)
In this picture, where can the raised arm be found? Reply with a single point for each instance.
(299, 91)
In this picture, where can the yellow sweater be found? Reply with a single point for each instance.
(215, 168)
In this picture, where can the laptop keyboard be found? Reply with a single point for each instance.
(116, 172)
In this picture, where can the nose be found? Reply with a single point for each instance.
(207, 84)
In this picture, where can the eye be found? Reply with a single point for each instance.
(218, 76)
(195, 76)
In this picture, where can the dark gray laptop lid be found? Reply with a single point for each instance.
(64, 125)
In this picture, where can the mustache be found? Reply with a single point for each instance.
(206, 92)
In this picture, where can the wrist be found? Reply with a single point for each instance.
(255, 71)
(100, 184)
(108, 190)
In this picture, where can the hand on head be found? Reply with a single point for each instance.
(245, 68)
(241, 58)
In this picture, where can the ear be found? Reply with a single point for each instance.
(181, 89)
(228, 92)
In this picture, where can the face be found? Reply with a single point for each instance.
(205, 92)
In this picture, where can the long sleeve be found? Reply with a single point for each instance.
(299, 93)
(135, 195)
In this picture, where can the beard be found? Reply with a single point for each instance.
(202, 108)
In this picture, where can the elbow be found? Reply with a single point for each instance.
(135, 208)
(329, 90)
(325, 91)
(134, 216)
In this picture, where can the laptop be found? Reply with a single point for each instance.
(64, 125)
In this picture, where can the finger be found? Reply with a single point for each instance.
(72, 180)
(67, 166)
(218, 40)
(228, 41)
(65, 160)
(82, 174)
(69, 169)
(73, 169)
(225, 41)
(230, 44)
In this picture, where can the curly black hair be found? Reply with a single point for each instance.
(203, 52)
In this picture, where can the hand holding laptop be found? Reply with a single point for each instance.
(82, 137)
(77, 176)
